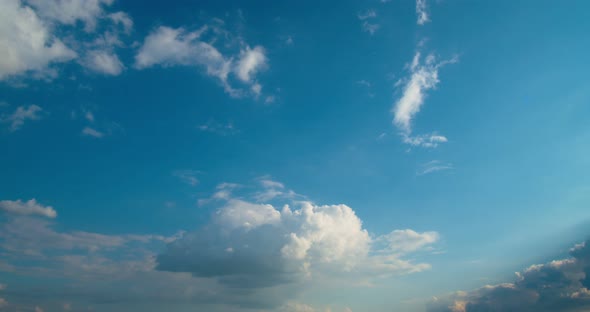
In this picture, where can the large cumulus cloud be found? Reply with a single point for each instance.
(249, 244)
(560, 285)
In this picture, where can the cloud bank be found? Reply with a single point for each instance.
(560, 285)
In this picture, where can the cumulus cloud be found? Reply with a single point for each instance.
(168, 46)
(27, 43)
(30, 207)
(256, 245)
(560, 285)
(422, 12)
(423, 77)
(22, 114)
(30, 32)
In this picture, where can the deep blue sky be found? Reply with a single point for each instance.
(454, 133)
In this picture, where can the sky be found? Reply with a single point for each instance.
(267, 156)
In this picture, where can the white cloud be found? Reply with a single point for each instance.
(167, 46)
(92, 132)
(271, 247)
(18, 118)
(187, 176)
(422, 12)
(427, 140)
(367, 14)
(251, 61)
(71, 11)
(3, 303)
(30, 207)
(423, 77)
(434, 166)
(219, 128)
(104, 62)
(26, 42)
(366, 25)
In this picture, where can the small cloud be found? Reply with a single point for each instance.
(30, 207)
(92, 132)
(370, 13)
(223, 129)
(22, 114)
(371, 28)
(434, 166)
(269, 99)
(364, 83)
(188, 176)
(422, 12)
(289, 41)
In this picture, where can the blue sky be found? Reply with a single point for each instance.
(337, 156)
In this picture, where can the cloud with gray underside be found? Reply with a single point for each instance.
(557, 286)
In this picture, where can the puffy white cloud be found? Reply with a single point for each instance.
(271, 247)
(422, 12)
(560, 285)
(30, 207)
(168, 46)
(26, 41)
(423, 77)
(21, 114)
(251, 61)
(123, 19)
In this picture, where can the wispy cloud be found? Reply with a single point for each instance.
(22, 114)
(434, 166)
(423, 77)
(88, 131)
(223, 129)
(188, 176)
(365, 18)
(422, 12)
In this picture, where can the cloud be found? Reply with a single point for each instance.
(30, 207)
(434, 166)
(30, 32)
(71, 11)
(168, 46)
(422, 12)
(426, 140)
(26, 42)
(423, 77)
(21, 114)
(366, 25)
(250, 245)
(188, 176)
(104, 62)
(92, 132)
(560, 285)
(223, 129)
(251, 61)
